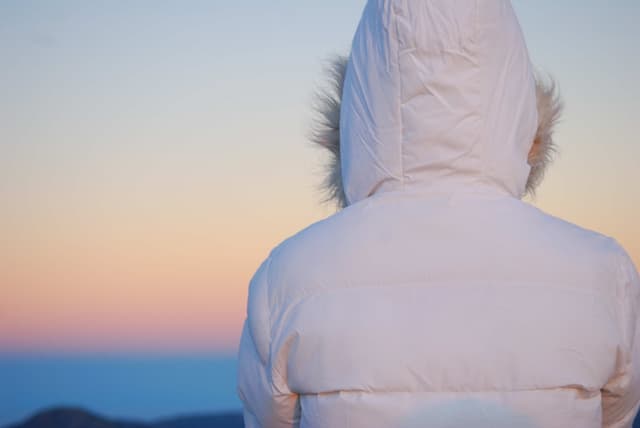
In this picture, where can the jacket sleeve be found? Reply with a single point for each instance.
(621, 396)
(265, 404)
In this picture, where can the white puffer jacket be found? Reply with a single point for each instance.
(437, 298)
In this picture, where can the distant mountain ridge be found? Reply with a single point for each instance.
(64, 417)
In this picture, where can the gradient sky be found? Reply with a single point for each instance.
(152, 153)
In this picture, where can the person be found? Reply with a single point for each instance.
(436, 297)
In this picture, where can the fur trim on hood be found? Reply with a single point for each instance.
(325, 129)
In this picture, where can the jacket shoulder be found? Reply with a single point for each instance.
(595, 250)
(297, 260)
(562, 229)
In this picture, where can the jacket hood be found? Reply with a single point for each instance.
(436, 94)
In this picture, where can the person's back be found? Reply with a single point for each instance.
(437, 298)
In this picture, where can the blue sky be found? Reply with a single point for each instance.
(131, 387)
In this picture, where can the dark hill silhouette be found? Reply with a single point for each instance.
(80, 418)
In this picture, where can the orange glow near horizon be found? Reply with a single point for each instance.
(155, 284)
(99, 281)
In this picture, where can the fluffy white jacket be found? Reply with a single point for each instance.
(437, 298)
